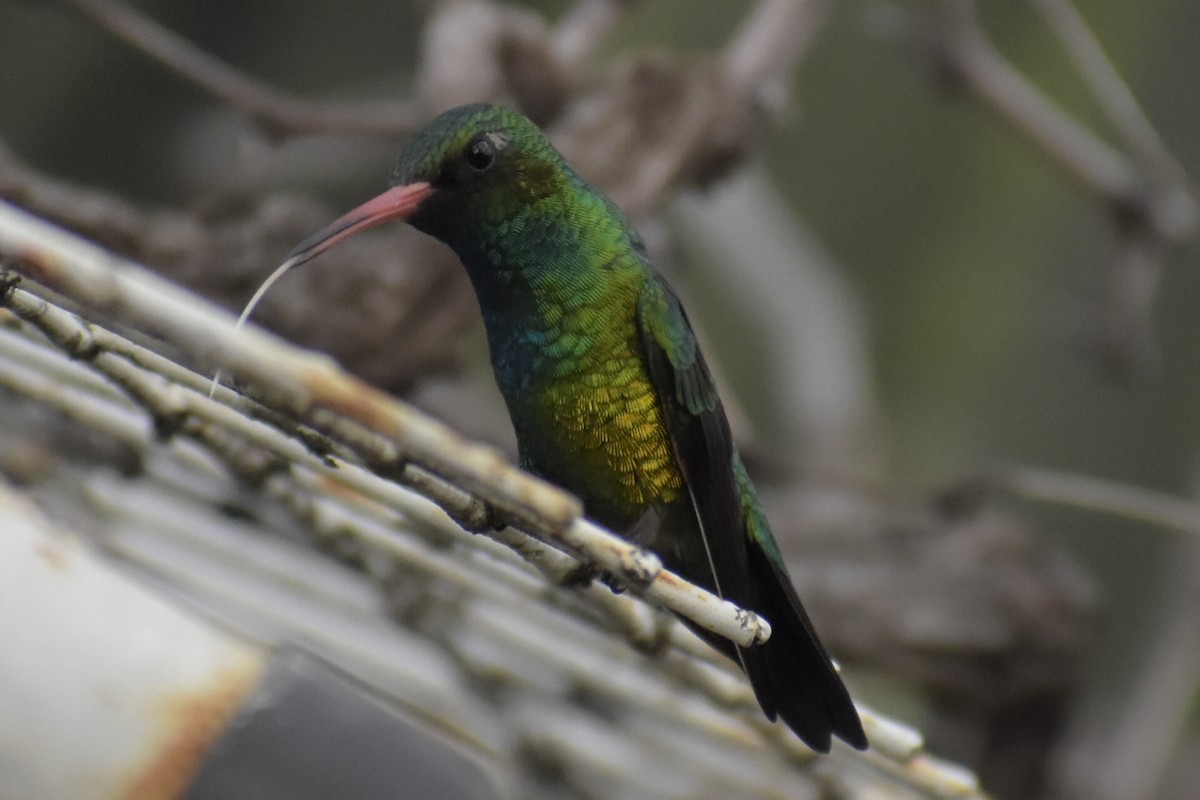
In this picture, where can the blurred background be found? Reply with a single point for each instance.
(921, 320)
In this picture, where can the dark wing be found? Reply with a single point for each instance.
(796, 677)
(700, 435)
(791, 674)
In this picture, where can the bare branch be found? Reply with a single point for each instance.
(278, 111)
(1155, 715)
(770, 43)
(970, 58)
(1148, 196)
(1100, 495)
(661, 122)
(1129, 753)
(1125, 342)
(1123, 110)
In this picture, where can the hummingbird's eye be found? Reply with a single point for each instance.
(480, 155)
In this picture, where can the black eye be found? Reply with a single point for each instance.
(480, 155)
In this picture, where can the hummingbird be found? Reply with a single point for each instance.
(608, 392)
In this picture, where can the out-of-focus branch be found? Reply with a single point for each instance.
(1147, 193)
(1171, 205)
(1125, 339)
(770, 43)
(99, 215)
(278, 111)
(1156, 713)
(521, 61)
(583, 29)
(1122, 108)
(968, 57)
(817, 357)
(1127, 754)
(655, 125)
(1097, 494)
(661, 123)
(421, 295)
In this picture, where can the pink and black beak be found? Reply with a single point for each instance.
(399, 202)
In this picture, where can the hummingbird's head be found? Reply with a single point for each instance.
(461, 178)
(484, 165)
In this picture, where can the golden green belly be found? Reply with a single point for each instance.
(599, 432)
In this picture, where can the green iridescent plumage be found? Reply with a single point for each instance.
(606, 386)
(558, 273)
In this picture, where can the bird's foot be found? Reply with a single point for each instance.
(578, 578)
(612, 582)
(582, 576)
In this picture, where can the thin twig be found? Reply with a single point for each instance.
(1148, 196)
(1101, 495)
(970, 57)
(770, 42)
(1155, 714)
(278, 110)
(1114, 96)
(1128, 753)
(1172, 203)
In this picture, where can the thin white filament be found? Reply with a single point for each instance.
(258, 295)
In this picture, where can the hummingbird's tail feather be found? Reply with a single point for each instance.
(792, 675)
